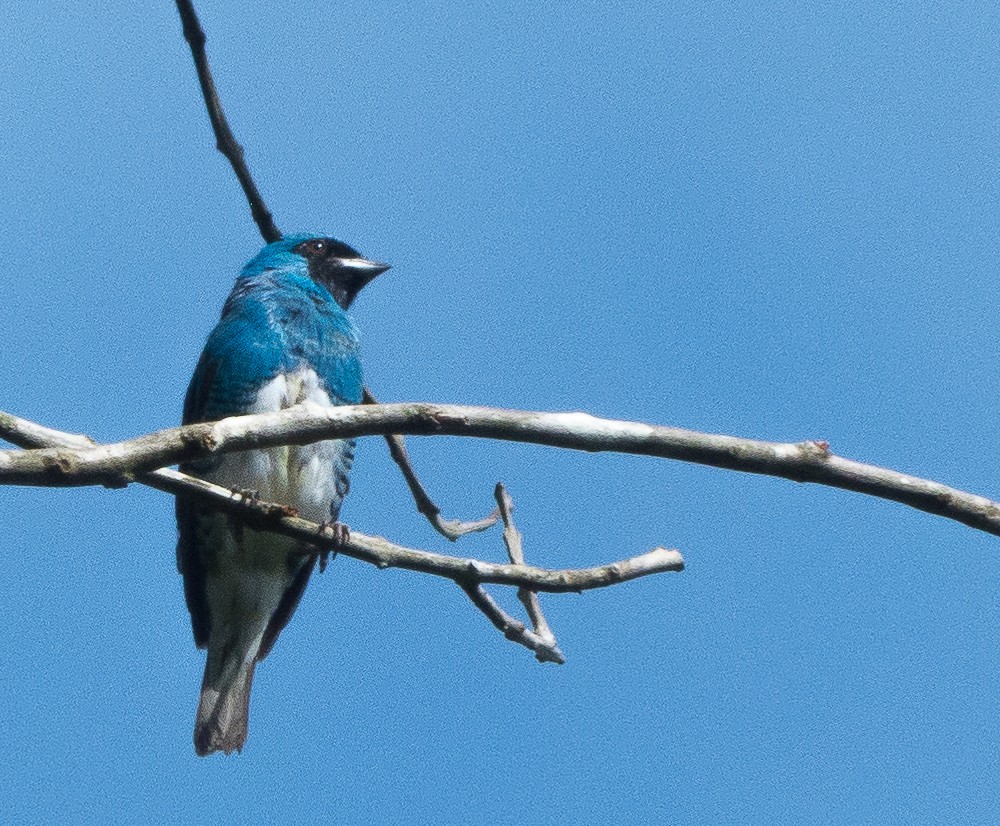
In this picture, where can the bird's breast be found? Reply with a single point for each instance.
(303, 476)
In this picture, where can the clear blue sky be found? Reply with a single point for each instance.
(767, 219)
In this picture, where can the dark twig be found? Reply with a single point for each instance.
(225, 141)
(513, 540)
(449, 528)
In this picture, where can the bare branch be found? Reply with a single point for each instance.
(224, 138)
(802, 462)
(449, 528)
(372, 549)
(546, 651)
(27, 434)
(515, 552)
(541, 640)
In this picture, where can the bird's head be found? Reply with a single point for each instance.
(341, 269)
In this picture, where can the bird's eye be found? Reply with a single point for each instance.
(318, 247)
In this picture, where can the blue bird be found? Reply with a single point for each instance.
(284, 338)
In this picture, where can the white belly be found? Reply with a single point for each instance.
(301, 476)
(249, 570)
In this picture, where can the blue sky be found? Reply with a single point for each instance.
(764, 219)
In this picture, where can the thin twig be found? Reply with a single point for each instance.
(513, 541)
(514, 630)
(449, 528)
(541, 640)
(809, 461)
(225, 141)
(372, 549)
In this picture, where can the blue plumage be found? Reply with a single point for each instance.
(284, 338)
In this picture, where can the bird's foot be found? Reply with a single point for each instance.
(341, 535)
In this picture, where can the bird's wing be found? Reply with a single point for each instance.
(241, 355)
(289, 602)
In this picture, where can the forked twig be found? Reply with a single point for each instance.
(540, 639)
(512, 539)
(546, 651)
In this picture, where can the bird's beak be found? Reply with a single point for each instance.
(362, 269)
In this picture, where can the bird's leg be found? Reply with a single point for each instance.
(341, 535)
(247, 495)
(251, 497)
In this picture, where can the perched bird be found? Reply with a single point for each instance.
(284, 338)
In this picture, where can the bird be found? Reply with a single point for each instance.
(284, 338)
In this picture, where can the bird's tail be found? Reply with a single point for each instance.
(224, 708)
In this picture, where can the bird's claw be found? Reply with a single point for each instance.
(340, 534)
